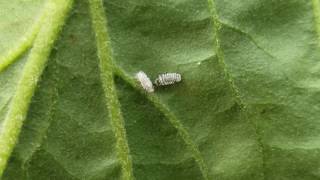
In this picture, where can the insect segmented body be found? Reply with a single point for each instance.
(145, 81)
(167, 79)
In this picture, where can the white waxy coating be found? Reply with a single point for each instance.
(145, 81)
(167, 79)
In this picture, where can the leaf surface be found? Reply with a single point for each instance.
(247, 106)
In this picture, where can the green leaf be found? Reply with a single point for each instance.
(247, 107)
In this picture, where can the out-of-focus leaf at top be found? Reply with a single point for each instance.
(17, 17)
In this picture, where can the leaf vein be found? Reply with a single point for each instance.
(219, 52)
(50, 115)
(58, 10)
(25, 43)
(99, 23)
(59, 164)
(316, 13)
(171, 118)
(249, 37)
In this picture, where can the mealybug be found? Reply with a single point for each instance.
(167, 79)
(144, 81)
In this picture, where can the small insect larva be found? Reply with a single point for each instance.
(167, 79)
(145, 81)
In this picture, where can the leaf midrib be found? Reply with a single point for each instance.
(152, 98)
(57, 12)
(99, 23)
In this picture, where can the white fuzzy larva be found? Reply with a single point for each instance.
(145, 81)
(167, 79)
